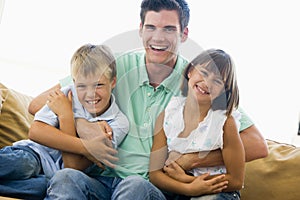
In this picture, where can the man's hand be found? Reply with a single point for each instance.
(100, 150)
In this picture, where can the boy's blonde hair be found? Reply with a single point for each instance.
(93, 59)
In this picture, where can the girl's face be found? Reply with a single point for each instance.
(94, 92)
(204, 84)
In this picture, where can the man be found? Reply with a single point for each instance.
(146, 82)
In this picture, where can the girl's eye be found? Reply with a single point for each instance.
(219, 82)
(203, 72)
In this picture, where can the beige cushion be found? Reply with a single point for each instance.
(275, 177)
(14, 117)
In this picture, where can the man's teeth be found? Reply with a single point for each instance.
(160, 48)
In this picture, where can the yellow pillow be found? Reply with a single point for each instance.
(14, 116)
(275, 177)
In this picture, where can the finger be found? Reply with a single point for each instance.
(205, 176)
(70, 95)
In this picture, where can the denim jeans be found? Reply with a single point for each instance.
(73, 184)
(220, 196)
(21, 173)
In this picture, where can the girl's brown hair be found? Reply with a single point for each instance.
(219, 62)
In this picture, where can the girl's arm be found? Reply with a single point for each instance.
(233, 155)
(198, 185)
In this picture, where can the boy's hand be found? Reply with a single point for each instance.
(60, 104)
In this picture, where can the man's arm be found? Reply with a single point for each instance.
(254, 144)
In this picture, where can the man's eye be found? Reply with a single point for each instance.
(170, 29)
(149, 28)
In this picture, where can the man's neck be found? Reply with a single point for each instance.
(157, 73)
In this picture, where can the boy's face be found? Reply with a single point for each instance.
(161, 36)
(94, 92)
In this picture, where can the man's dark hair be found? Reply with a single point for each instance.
(180, 6)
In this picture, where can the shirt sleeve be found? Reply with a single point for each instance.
(65, 81)
(245, 120)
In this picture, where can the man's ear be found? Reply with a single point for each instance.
(185, 34)
(141, 29)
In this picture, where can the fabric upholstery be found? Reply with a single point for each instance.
(14, 116)
(275, 177)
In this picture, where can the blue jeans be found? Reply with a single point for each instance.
(73, 184)
(220, 196)
(21, 173)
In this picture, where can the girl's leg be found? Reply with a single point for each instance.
(220, 196)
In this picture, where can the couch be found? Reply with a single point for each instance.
(272, 178)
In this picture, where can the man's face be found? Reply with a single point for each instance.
(161, 36)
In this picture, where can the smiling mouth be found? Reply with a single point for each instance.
(92, 102)
(158, 48)
(202, 91)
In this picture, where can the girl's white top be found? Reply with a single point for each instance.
(206, 137)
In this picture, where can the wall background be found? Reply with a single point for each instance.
(38, 38)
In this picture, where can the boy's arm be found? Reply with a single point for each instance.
(254, 144)
(62, 107)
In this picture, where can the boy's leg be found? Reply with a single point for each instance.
(74, 184)
(32, 188)
(20, 176)
(17, 163)
(135, 187)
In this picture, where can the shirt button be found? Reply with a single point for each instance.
(149, 94)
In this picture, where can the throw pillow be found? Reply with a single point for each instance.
(14, 116)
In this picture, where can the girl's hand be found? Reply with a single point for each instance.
(176, 172)
(202, 185)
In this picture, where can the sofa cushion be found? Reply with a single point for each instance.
(275, 177)
(14, 116)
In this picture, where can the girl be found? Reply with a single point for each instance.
(203, 119)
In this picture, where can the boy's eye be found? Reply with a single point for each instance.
(99, 85)
(81, 86)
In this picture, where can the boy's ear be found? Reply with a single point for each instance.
(185, 34)
(113, 82)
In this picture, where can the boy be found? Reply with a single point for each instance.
(94, 75)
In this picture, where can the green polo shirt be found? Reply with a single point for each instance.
(142, 103)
